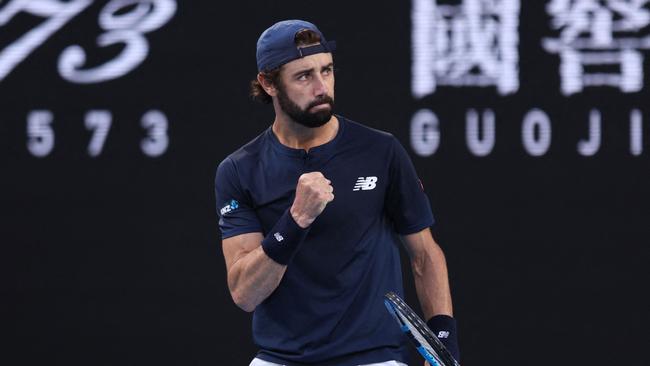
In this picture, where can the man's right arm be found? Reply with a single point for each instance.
(252, 273)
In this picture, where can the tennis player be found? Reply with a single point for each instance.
(312, 212)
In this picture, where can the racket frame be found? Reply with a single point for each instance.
(405, 315)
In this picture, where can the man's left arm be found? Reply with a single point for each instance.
(429, 269)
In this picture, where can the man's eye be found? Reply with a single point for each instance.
(303, 77)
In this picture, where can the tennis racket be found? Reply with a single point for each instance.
(417, 331)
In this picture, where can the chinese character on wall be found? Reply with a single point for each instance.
(470, 44)
(600, 43)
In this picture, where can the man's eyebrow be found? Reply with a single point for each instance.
(309, 70)
(303, 71)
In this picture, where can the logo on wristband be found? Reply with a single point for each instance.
(278, 237)
(443, 334)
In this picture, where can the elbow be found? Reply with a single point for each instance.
(243, 302)
(240, 296)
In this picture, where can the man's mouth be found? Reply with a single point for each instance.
(321, 106)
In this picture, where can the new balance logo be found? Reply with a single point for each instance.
(365, 184)
(443, 334)
(278, 237)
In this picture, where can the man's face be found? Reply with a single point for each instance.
(306, 89)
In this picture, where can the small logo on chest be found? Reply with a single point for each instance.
(365, 184)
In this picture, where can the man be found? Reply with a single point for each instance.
(314, 267)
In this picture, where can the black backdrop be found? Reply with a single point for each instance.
(115, 259)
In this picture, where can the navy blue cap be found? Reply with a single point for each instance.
(277, 46)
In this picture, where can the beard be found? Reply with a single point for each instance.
(304, 116)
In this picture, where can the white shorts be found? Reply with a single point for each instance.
(258, 362)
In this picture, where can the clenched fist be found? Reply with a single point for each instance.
(313, 193)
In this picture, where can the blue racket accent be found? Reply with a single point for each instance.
(427, 356)
(389, 306)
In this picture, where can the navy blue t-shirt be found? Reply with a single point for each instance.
(328, 308)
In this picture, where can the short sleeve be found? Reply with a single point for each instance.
(235, 211)
(406, 203)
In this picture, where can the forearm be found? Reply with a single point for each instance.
(431, 282)
(253, 278)
(432, 285)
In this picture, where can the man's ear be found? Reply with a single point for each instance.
(268, 86)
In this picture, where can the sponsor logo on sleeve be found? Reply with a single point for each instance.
(229, 207)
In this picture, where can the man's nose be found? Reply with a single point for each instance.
(320, 86)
